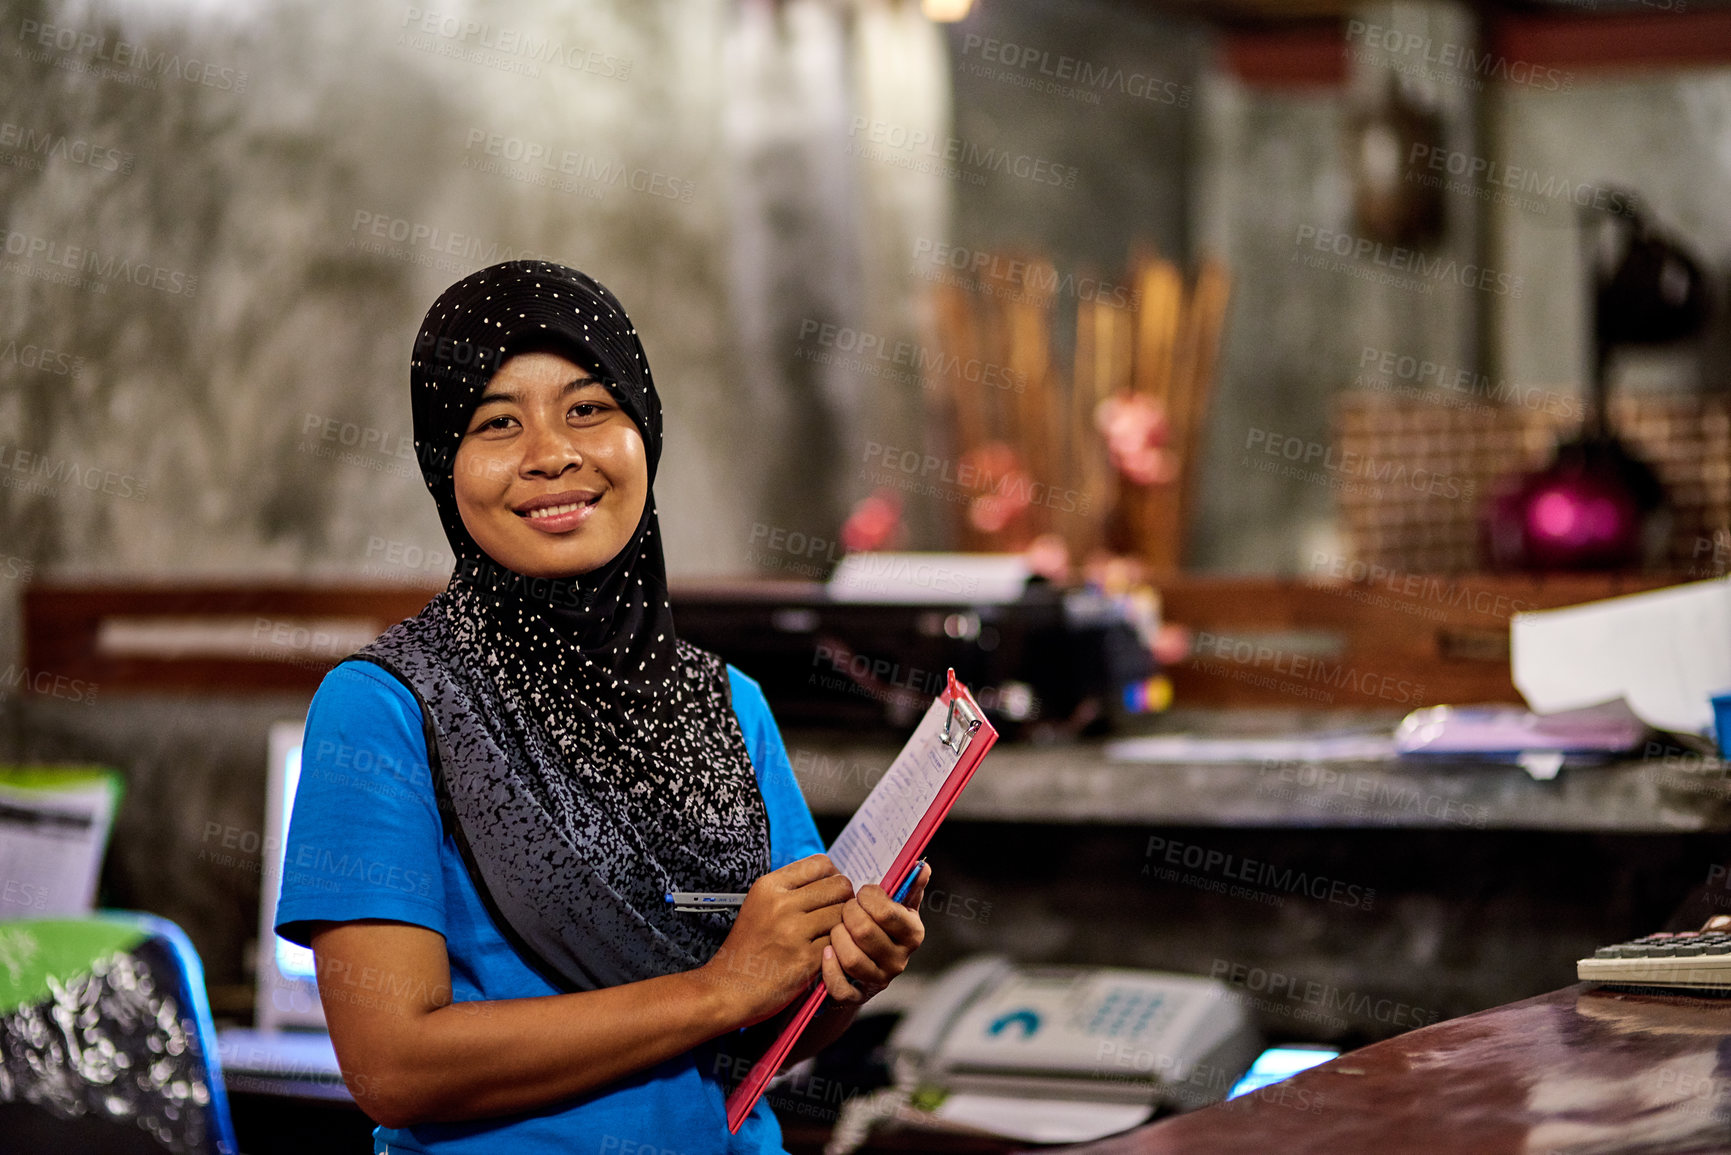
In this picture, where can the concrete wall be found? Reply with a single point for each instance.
(223, 224)
(1665, 138)
(266, 229)
(223, 392)
(1275, 177)
(1271, 162)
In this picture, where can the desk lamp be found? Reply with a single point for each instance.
(1593, 506)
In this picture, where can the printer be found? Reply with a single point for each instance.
(870, 648)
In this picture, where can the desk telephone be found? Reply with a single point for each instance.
(1102, 1035)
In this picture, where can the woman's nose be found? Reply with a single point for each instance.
(549, 450)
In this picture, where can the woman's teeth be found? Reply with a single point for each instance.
(555, 510)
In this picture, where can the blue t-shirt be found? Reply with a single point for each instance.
(365, 841)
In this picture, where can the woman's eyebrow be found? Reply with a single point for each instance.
(495, 395)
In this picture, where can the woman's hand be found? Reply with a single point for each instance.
(779, 936)
(876, 937)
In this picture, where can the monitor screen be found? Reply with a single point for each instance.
(1277, 1063)
(292, 959)
(288, 993)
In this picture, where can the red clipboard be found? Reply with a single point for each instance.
(972, 738)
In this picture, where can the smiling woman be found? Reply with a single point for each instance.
(550, 476)
(583, 761)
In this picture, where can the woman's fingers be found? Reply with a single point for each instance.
(860, 963)
(812, 882)
(802, 872)
(824, 892)
(871, 937)
(835, 980)
(814, 925)
(870, 940)
(917, 892)
(900, 924)
(778, 935)
(855, 978)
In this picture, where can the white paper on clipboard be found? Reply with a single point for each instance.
(866, 848)
(894, 824)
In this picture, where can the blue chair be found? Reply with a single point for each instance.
(106, 1040)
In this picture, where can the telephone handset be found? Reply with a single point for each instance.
(915, 1039)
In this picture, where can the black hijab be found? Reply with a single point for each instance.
(589, 758)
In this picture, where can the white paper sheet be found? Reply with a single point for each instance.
(1042, 1120)
(973, 578)
(866, 849)
(1188, 748)
(52, 837)
(1665, 652)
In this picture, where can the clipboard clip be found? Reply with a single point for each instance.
(955, 742)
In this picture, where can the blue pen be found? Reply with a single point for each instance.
(908, 882)
(720, 902)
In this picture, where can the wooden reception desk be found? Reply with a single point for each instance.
(1582, 1069)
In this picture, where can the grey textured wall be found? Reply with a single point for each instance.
(1274, 174)
(1665, 138)
(1269, 163)
(255, 237)
(1103, 88)
(223, 223)
(253, 426)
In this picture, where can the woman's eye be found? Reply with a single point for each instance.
(496, 423)
(588, 409)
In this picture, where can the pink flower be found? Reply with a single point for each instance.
(874, 523)
(1049, 556)
(1171, 644)
(1005, 486)
(1136, 432)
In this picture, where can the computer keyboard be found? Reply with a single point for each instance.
(1690, 960)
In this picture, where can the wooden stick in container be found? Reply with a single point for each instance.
(1162, 291)
(1158, 323)
(1213, 293)
(1030, 357)
(1081, 442)
(958, 338)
